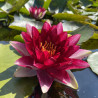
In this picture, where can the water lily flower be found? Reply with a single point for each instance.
(50, 55)
(37, 13)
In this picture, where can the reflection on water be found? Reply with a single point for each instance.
(57, 90)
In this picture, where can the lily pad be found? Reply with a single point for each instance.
(20, 23)
(91, 44)
(11, 87)
(70, 17)
(57, 5)
(86, 32)
(93, 61)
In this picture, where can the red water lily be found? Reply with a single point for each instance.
(50, 55)
(37, 13)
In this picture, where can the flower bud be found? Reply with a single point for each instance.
(37, 13)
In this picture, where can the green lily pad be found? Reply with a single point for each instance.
(46, 4)
(90, 44)
(11, 87)
(21, 21)
(93, 61)
(7, 34)
(86, 32)
(18, 38)
(70, 17)
(57, 5)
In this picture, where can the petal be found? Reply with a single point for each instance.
(20, 47)
(35, 32)
(43, 14)
(24, 72)
(45, 29)
(30, 44)
(59, 28)
(71, 50)
(74, 64)
(74, 39)
(73, 83)
(39, 66)
(60, 75)
(40, 55)
(63, 36)
(49, 62)
(45, 80)
(29, 29)
(26, 37)
(25, 61)
(53, 34)
(80, 54)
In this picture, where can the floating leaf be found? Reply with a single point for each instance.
(90, 44)
(6, 7)
(95, 36)
(38, 3)
(23, 10)
(11, 87)
(57, 5)
(20, 23)
(86, 2)
(17, 5)
(7, 34)
(18, 38)
(70, 25)
(71, 17)
(86, 32)
(93, 61)
(46, 4)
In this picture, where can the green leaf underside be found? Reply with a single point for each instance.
(11, 87)
(86, 32)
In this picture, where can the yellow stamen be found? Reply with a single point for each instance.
(49, 47)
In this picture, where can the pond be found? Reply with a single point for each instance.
(53, 37)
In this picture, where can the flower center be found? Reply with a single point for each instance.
(51, 48)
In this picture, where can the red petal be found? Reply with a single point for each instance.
(71, 50)
(35, 32)
(39, 66)
(60, 75)
(74, 64)
(25, 61)
(53, 34)
(20, 47)
(59, 28)
(26, 37)
(74, 39)
(40, 55)
(29, 29)
(63, 36)
(49, 62)
(31, 43)
(45, 80)
(45, 29)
